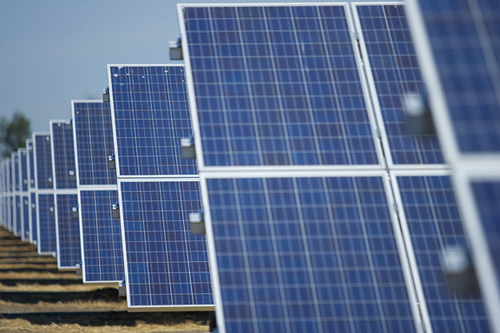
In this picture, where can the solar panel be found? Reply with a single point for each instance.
(67, 231)
(305, 249)
(320, 255)
(46, 224)
(394, 71)
(31, 191)
(43, 161)
(63, 154)
(150, 115)
(434, 224)
(93, 142)
(101, 237)
(463, 39)
(33, 213)
(102, 248)
(23, 181)
(458, 44)
(64, 170)
(258, 71)
(16, 187)
(166, 266)
(44, 184)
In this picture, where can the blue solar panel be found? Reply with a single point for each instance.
(102, 253)
(94, 142)
(395, 72)
(68, 231)
(258, 72)
(17, 214)
(63, 154)
(166, 266)
(487, 197)
(34, 224)
(25, 208)
(43, 161)
(307, 255)
(434, 224)
(464, 37)
(151, 115)
(46, 224)
(31, 164)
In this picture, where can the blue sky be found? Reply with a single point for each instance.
(54, 51)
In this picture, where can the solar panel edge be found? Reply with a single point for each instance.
(456, 158)
(467, 317)
(377, 108)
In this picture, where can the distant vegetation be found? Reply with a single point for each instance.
(14, 132)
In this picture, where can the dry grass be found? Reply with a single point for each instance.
(24, 326)
(40, 275)
(10, 307)
(27, 265)
(46, 259)
(53, 287)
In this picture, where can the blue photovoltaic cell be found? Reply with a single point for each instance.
(487, 195)
(46, 224)
(396, 72)
(94, 142)
(25, 217)
(31, 164)
(434, 223)
(43, 157)
(151, 116)
(277, 86)
(464, 38)
(167, 266)
(33, 208)
(307, 255)
(15, 175)
(18, 220)
(23, 167)
(64, 154)
(102, 237)
(68, 246)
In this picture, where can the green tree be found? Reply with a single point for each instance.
(14, 132)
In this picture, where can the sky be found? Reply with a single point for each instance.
(55, 51)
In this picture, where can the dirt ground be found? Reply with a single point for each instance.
(36, 297)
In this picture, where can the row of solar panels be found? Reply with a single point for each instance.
(325, 208)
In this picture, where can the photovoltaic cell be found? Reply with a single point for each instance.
(307, 255)
(17, 215)
(23, 169)
(34, 224)
(259, 72)
(102, 254)
(166, 265)
(94, 142)
(434, 224)
(68, 231)
(43, 160)
(464, 38)
(151, 115)
(25, 207)
(487, 197)
(395, 72)
(31, 164)
(46, 224)
(64, 154)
